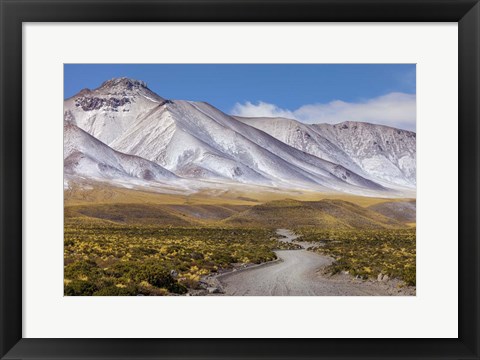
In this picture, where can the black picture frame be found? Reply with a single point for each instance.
(15, 12)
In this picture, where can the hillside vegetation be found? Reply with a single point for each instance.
(403, 211)
(325, 214)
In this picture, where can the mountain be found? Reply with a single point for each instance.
(302, 137)
(196, 140)
(87, 156)
(106, 112)
(384, 152)
(380, 153)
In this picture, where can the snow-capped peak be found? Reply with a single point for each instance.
(384, 154)
(107, 111)
(196, 140)
(123, 83)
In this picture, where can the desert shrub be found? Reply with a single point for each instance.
(146, 251)
(80, 288)
(107, 254)
(117, 291)
(81, 269)
(178, 288)
(410, 276)
(154, 274)
(368, 253)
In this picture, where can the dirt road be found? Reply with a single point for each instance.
(298, 273)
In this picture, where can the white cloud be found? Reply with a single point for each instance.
(394, 109)
(261, 109)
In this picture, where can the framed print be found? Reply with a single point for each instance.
(272, 201)
(239, 180)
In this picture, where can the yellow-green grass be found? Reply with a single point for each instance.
(106, 258)
(367, 253)
(326, 214)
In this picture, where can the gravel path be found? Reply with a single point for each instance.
(298, 273)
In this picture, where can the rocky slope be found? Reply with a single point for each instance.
(380, 153)
(87, 156)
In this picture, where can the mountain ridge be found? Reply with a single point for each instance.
(362, 154)
(195, 140)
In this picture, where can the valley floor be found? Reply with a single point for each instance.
(180, 245)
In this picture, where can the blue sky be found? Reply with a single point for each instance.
(309, 93)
